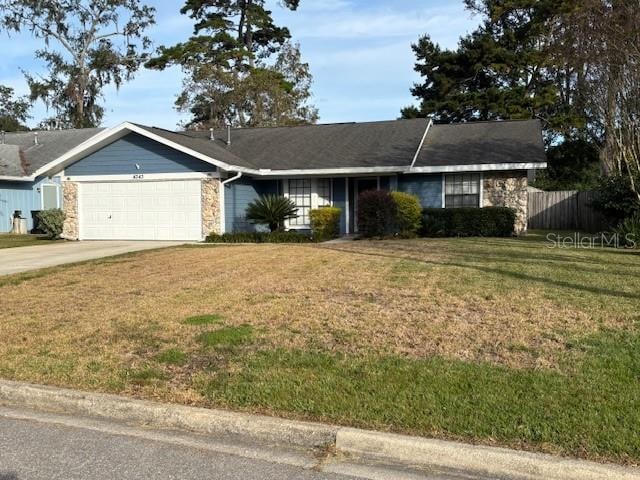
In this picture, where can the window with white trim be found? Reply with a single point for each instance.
(306, 194)
(300, 195)
(462, 190)
(323, 190)
(50, 196)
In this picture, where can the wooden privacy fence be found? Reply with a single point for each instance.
(565, 210)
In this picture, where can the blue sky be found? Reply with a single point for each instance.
(359, 52)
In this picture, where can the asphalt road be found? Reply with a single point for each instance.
(34, 450)
(47, 446)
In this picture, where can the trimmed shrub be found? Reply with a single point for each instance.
(468, 222)
(377, 214)
(271, 210)
(325, 222)
(261, 237)
(51, 222)
(628, 231)
(409, 213)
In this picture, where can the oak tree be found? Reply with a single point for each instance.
(87, 45)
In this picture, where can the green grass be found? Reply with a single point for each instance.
(352, 349)
(226, 336)
(591, 409)
(203, 320)
(10, 241)
(145, 375)
(173, 356)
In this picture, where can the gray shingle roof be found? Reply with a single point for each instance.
(51, 145)
(201, 144)
(10, 165)
(348, 145)
(477, 143)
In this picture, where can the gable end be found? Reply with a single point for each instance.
(135, 154)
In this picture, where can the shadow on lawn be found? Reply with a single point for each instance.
(494, 270)
(532, 254)
(572, 263)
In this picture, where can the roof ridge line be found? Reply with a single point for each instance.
(475, 122)
(369, 122)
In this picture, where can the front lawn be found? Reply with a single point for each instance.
(495, 341)
(8, 240)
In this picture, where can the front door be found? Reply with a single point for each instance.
(362, 185)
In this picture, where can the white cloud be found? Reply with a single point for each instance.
(323, 5)
(353, 21)
(378, 25)
(394, 53)
(359, 52)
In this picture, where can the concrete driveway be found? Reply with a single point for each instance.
(23, 259)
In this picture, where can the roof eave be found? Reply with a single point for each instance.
(328, 171)
(9, 178)
(485, 167)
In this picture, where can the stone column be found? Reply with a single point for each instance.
(507, 189)
(210, 206)
(71, 228)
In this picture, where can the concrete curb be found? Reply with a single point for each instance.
(402, 449)
(493, 461)
(199, 420)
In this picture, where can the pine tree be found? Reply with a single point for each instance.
(235, 71)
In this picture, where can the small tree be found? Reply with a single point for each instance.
(616, 198)
(271, 210)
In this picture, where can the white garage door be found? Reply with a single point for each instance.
(169, 210)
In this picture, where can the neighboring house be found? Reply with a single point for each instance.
(24, 185)
(138, 182)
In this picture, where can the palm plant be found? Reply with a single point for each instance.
(271, 210)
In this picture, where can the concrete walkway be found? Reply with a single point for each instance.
(23, 259)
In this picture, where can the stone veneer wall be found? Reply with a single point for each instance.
(507, 189)
(210, 206)
(70, 229)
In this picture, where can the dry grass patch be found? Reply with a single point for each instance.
(506, 302)
(498, 341)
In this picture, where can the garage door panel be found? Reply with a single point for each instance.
(168, 210)
(149, 203)
(151, 218)
(166, 202)
(162, 187)
(192, 218)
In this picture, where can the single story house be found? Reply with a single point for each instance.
(146, 183)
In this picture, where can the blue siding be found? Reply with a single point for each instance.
(427, 187)
(122, 156)
(339, 200)
(20, 196)
(238, 195)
